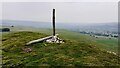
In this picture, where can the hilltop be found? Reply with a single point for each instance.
(70, 53)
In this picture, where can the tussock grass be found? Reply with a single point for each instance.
(70, 53)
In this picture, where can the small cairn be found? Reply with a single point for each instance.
(54, 39)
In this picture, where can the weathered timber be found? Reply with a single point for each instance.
(39, 40)
(53, 22)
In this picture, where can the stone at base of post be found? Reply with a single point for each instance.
(54, 39)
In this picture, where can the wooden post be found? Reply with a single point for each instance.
(53, 22)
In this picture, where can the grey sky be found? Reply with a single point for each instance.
(77, 12)
(59, 0)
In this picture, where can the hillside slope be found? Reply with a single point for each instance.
(46, 54)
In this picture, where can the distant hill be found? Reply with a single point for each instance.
(113, 26)
(26, 23)
(100, 27)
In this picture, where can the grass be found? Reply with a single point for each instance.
(74, 52)
(108, 44)
(77, 50)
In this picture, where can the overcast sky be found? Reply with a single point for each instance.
(77, 12)
(59, 0)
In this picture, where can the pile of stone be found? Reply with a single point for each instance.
(55, 39)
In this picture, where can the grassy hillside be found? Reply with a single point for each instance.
(77, 50)
(108, 44)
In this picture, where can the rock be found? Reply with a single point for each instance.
(27, 50)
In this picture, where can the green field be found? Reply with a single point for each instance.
(77, 50)
(109, 44)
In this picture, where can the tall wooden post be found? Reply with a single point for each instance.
(53, 22)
